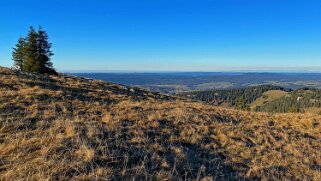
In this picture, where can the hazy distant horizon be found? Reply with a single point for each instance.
(168, 82)
(235, 70)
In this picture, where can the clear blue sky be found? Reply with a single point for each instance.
(170, 35)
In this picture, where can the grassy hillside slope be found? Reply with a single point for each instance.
(267, 97)
(71, 128)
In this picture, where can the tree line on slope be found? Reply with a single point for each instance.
(240, 98)
(296, 101)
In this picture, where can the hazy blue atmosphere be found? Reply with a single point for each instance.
(170, 35)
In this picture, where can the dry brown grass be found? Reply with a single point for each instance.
(66, 128)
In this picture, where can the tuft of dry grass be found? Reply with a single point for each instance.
(86, 153)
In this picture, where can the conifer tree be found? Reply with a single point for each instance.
(44, 52)
(240, 103)
(32, 61)
(18, 54)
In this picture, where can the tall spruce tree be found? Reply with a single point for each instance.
(33, 53)
(45, 52)
(18, 54)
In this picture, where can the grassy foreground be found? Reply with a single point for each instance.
(63, 128)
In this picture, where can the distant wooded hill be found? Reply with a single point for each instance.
(265, 98)
(301, 100)
(241, 97)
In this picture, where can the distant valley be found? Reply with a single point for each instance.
(190, 81)
(259, 92)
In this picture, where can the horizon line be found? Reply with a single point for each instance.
(188, 71)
